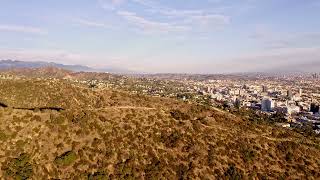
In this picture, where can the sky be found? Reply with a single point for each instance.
(163, 36)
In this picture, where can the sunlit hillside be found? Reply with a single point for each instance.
(61, 130)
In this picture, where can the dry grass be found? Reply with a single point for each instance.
(166, 140)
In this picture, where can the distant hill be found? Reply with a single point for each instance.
(15, 64)
(11, 64)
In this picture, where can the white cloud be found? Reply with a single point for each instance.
(90, 23)
(210, 20)
(194, 17)
(172, 19)
(148, 25)
(110, 4)
(22, 29)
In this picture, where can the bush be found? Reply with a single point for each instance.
(178, 115)
(18, 168)
(3, 136)
(248, 155)
(171, 140)
(233, 173)
(289, 157)
(98, 176)
(66, 159)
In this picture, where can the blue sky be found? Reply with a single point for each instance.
(194, 36)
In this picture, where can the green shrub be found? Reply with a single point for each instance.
(233, 173)
(178, 115)
(18, 168)
(125, 170)
(3, 136)
(171, 140)
(98, 176)
(289, 157)
(248, 155)
(20, 144)
(66, 159)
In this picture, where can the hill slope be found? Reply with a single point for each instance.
(115, 135)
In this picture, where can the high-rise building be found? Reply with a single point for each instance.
(267, 105)
(264, 89)
(237, 102)
(289, 94)
(315, 76)
(314, 108)
(300, 92)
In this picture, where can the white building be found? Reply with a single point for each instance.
(293, 109)
(300, 92)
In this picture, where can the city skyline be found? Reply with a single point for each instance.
(211, 36)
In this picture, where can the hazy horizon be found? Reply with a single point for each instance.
(211, 36)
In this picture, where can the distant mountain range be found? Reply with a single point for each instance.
(14, 64)
(301, 67)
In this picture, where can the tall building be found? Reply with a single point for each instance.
(315, 76)
(275, 89)
(267, 105)
(264, 89)
(238, 102)
(300, 92)
(314, 108)
(289, 94)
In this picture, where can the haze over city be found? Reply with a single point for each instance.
(207, 36)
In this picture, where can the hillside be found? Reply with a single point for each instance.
(61, 130)
(58, 73)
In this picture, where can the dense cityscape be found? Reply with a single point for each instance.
(295, 97)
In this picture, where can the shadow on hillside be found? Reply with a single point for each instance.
(3, 105)
(42, 109)
(35, 108)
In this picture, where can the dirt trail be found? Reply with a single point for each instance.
(267, 136)
(126, 107)
(224, 112)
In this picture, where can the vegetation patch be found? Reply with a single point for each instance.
(152, 170)
(18, 168)
(66, 159)
(100, 175)
(248, 154)
(171, 140)
(178, 115)
(233, 173)
(3, 136)
(125, 169)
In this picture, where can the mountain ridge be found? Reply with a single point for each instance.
(17, 64)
